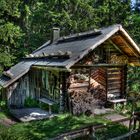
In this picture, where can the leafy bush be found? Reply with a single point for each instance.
(119, 107)
(3, 105)
(133, 79)
(124, 109)
(54, 107)
(29, 102)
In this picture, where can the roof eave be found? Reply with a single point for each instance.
(133, 44)
(13, 80)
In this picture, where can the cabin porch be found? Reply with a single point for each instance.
(42, 88)
(31, 114)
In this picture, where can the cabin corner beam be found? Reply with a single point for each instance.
(97, 65)
(64, 92)
(50, 68)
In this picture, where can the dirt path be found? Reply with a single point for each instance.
(118, 118)
(7, 122)
(125, 123)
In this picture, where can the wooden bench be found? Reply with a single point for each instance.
(116, 101)
(47, 101)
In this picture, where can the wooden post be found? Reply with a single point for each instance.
(50, 110)
(89, 78)
(106, 77)
(123, 81)
(8, 93)
(63, 94)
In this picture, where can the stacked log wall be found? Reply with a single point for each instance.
(114, 82)
(103, 81)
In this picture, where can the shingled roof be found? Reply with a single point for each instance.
(78, 45)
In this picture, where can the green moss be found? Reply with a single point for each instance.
(2, 115)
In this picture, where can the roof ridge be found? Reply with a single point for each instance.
(93, 32)
(79, 35)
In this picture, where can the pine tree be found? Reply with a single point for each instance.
(10, 32)
(113, 11)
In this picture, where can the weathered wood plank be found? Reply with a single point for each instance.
(79, 85)
(114, 87)
(114, 78)
(114, 91)
(97, 65)
(111, 83)
(114, 75)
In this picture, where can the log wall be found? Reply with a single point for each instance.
(101, 83)
(115, 82)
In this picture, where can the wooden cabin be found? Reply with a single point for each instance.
(76, 72)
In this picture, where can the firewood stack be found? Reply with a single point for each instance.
(84, 98)
(83, 102)
(98, 93)
(118, 59)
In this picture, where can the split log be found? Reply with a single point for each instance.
(118, 59)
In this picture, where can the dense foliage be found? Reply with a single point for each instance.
(26, 24)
